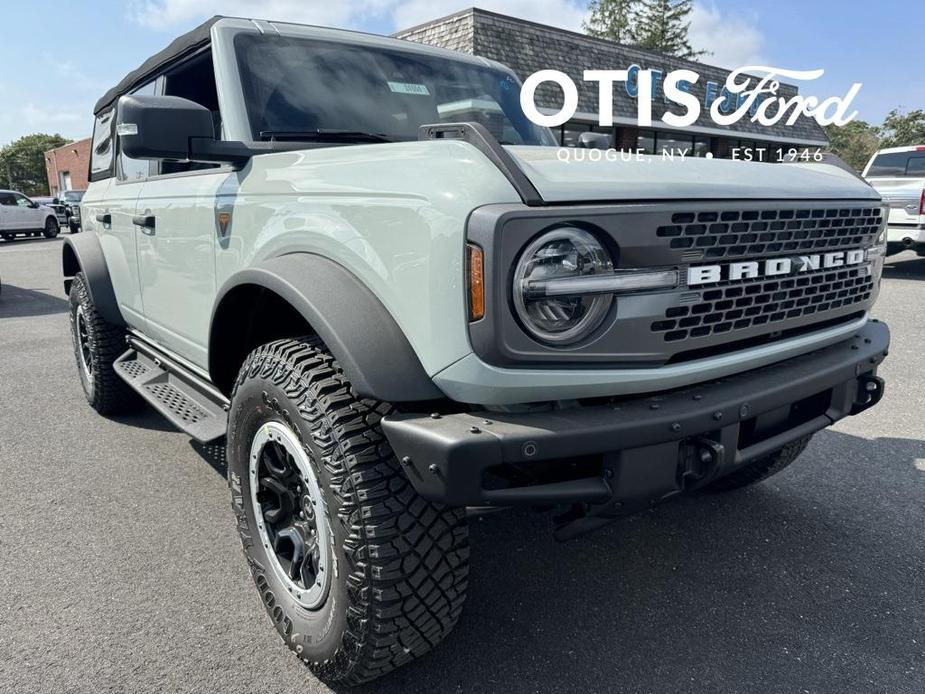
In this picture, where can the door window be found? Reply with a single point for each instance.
(7, 199)
(101, 151)
(195, 81)
(23, 201)
(135, 169)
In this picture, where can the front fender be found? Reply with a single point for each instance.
(361, 334)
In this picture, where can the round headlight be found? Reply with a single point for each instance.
(559, 317)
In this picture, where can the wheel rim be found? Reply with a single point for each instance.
(289, 513)
(83, 344)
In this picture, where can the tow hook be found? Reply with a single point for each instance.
(870, 392)
(699, 458)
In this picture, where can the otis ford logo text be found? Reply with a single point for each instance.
(750, 269)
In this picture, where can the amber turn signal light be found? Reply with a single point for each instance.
(476, 282)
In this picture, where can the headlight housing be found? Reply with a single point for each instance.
(564, 253)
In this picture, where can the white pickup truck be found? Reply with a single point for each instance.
(898, 174)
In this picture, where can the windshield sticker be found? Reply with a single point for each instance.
(409, 88)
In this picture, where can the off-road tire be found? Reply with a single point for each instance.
(401, 562)
(760, 469)
(105, 391)
(52, 228)
(72, 226)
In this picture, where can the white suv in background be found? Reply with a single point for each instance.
(20, 215)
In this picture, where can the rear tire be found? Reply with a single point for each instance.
(760, 469)
(395, 565)
(97, 344)
(52, 228)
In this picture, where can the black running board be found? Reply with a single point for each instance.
(188, 402)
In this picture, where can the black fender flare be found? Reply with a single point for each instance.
(84, 254)
(362, 335)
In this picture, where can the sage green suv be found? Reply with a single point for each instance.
(358, 263)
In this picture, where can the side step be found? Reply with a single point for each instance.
(187, 401)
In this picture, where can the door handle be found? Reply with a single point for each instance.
(144, 221)
(104, 218)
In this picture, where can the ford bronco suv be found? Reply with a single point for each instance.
(354, 260)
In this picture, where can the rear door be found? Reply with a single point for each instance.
(9, 212)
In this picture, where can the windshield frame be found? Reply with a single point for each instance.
(527, 132)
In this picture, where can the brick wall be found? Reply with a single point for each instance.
(72, 159)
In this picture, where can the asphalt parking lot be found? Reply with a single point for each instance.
(120, 569)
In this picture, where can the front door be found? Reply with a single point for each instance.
(30, 217)
(177, 232)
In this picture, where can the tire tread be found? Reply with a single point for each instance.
(407, 557)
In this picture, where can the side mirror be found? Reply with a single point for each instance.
(591, 140)
(34, 205)
(172, 128)
(55, 201)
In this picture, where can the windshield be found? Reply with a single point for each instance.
(73, 195)
(302, 86)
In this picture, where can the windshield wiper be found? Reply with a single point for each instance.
(323, 135)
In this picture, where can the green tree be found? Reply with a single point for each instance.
(903, 129)
(854, 143)
(22, 162)
(612, 19)
(662, 26)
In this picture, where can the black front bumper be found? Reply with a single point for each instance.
(631, 452)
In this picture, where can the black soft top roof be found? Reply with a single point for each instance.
(186, 44)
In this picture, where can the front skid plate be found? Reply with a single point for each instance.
(445, 455)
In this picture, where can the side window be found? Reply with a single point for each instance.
(22, 200)
(890, 164)
(135, 169)
(194, 80)
(101, 152)
(8, 199)
(916, 166)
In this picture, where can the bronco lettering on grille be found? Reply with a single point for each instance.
(751, 269)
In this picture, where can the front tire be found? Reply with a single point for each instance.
(72, 226)
(760, 469)
(315, 484)
(52, 228)
(97, 344)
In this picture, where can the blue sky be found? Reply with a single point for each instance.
(51, 77)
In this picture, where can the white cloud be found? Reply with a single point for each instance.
(734, 41)
(39, 115)
(398, 14)
(162, 14)
(566, 14)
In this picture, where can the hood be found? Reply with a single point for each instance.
(579, 179)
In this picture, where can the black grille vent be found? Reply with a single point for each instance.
(738, 233)
(765, 302)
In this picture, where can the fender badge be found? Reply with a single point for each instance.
(223, 220)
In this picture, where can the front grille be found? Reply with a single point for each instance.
(765, 302)
(740, 233)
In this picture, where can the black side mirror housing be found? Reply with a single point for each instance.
(172, 128)
(55, 201)
(591, 140)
